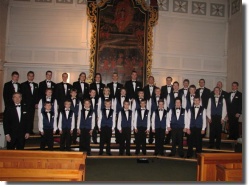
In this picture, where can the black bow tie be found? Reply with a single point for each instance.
(14, 83)
(185, 89)
(66, 110)
(160, 109)
(142, 109)
(18, 105)
(48, 98)
(114, 82)
(48, 81)
(233, 91)
(97, 82)
(192, 95)
(107, 109)
(151, 86)
(30, 82)
(197, 107)
(178, 108)
(65, 83)
(168, 86)
(48, 111)
(81, 82)
(73, 98)
(87, 110)
(123, 96)
(201, 88)
(126, 110)
(133, 81)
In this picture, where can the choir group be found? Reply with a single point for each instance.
(165, 114)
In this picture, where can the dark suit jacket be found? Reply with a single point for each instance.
(60, 93)
(43, 87)
(204, 97)
(117, 93)
(164, 91)
(8, 91)
(94, 86)
(27, 96)
(147, 95)
(234, 106)
(81, 96)
(223, 94)
(131, 94)
(11, 123)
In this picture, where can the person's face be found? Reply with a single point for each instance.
(108, 104)
(161, 105)
(126, 105)
(97, 78)
(134, 76)
(30, 77)
(216, 91)
(185, 84)
(141, 94)
(123, 92)
(201, 83)
(17, 98)
(106, 92)
(234, 87)
(143, 104)
(87, 104)
(64, 77)
(197, 101)
(93, 93)
(73, 94)
(48, 93)
(67, 104)
(192, 91)
(157, 92)
(219, 84)
(115, 78)
(178, 103)
(49, 76)
(151, 80)
(82, 78)
(175, 87)
(48, 107)
(15, 78)
(168, 81)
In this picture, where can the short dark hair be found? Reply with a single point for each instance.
(176, 83)
(143, 100)
(197, 97)
(178, 99)
(87, 100)
(47, 89)
(30, 72)
(67, 101)
(49, 72)
(107, 100)
(186, 80)
(169, 78)
(192, 86)
(202, 80)
(16, 93)
(160, 101)
(126, 101)
(73, 90)
(133, 71)
(47, 102)
(235, 83)
(14, 73)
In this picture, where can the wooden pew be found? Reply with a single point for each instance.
(206, 164)
(231, 173)
(18, 165)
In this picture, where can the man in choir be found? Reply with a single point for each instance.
(177, 121)
(30, 97)
(223, 93)
(115, 86)
(190, 97)
(234, 110)
(149, 89)
(132, 86)
(63, 91)
(15, 123)
(97, 85)
(136, 102)
(174, 94)
(82, 87)
(203, 93)
(47, 83)
(141, 125)
(158, 126)
(196, 128)
(167, 89)
(10, 88)
(184, 92)
(216, 114)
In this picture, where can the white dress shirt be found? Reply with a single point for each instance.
(232, 95)
(151, 89)
(15, 86)
(65, 88)
(113, 119)
(60, 121)
(134, 85)
(135, 120)
(82, 85)
(120, 119)
(18, 109)
(31, 84)
(48, 83)
(114, 87)
(178, 112)
(153, 125)
(224, 108)
(204, 117)
(86, 113)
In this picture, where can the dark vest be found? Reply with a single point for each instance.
(140, 122)
(126, 122)
(199, 119)
(46, 124)
(216, 110)
(66, 123)
(160, 124)
(106, 121)
(180, 123)
(75, 108)
(86, 122)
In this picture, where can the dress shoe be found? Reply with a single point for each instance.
(188, 156)
(155, 154)
(171, 155)
(144, 153)
(136, 153)
(128, 154)
(121, 154)
(100, 153)
(109, 154)
(182, 156)
(95, 142)
(218, 148)
(210, 147)
(162, 154)
(89, 154)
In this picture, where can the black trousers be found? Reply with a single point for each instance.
(47, 139)
(159, 140)
(65, 140)
(94, 133)
(141, 140)
(74, 137)
(16, 142)
(31, 117)
(168, 137)
(233, 127)
(105, 137)
(125, 140)
(215, 131)
(151, 136)
(194, 139)
(177, 139)
(85, 139)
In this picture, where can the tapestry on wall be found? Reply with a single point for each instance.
(121, 38)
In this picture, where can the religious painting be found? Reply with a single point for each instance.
(121, 43)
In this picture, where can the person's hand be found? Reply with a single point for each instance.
(99, 129)
(147, 131)
(78, 131)
(184, 130)
(26, 136)
(203, 132)
(168, 128)
(237, 115)
(188, 131)
(222, 121)
(91, 132)
(42, 133)
(54, 132)
(166, 132)
(61, 132)
(71, 132)
(8, 138)
(120, 131)
(135, 130)
(153, 131)
(209, 120)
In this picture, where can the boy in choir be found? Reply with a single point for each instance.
(115, 86)
(125, 127)
(106, 96)
(137, 100)
(15, 123)
(97, 85)
(94, 106)
(149, 89)
(106, 124)
(184, 92)
(158, 123)
(177, 121)
(196, 127)
(85, 126)
(216, 114)
(66, 125)
(190, 97)
(82, 87)
(141, 126)
(75, 105)
(48, 98)
(47, 126)
(47, 83)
